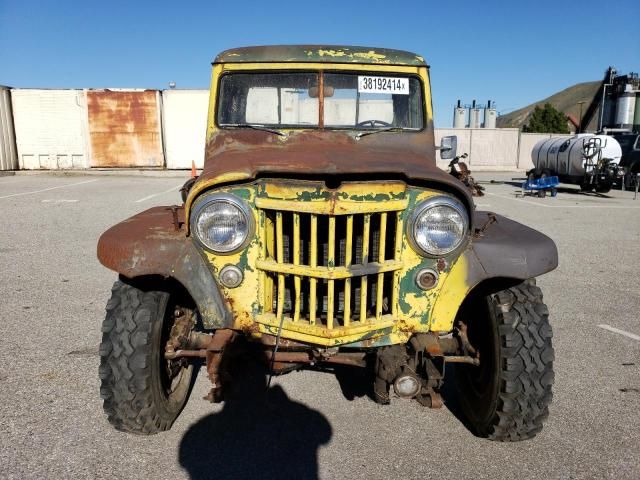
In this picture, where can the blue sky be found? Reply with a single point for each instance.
(511, 52)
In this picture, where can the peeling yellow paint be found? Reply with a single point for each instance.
(418, 311)
(331, 53)
(453, 291)
(370, 55)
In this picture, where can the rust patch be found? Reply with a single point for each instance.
(237, 155)
(124, 129)
(145, 244)
(442, 265)
(310, 357)
(270, 341)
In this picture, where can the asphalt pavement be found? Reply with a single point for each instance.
(52, 297)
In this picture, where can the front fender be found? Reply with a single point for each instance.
(501, 248)
(509, 249)
(154, 243)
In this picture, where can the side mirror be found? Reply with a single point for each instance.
(448, 147)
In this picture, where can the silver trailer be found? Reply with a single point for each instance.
(588, 160)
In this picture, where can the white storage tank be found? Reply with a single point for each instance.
(490, 116)
(625, 108)
(568, 157)
(474, 116)
(459, 116)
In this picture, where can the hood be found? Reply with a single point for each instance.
(247, 154)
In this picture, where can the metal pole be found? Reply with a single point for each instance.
(601, 116)
(580, 121)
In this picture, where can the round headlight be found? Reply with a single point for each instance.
(222, 223)
(438, 226)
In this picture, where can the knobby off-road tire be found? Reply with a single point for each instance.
(139, 395)
(506, 398)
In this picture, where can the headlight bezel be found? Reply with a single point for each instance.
(222, 197)
(436, 201)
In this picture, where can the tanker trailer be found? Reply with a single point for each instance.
(588, 160)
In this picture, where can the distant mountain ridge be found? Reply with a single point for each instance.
(565, 101)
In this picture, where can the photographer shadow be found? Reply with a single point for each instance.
(257, 434)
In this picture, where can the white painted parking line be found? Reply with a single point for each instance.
(59, 200)
(157, 194)
(621, 332)
(546, 205)
(47, 189)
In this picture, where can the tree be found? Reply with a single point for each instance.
(546, 120)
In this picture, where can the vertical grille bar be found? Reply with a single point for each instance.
(280, 259)
(381, 255)
(264, 278)
(365, 260)
(266, 226)
(313, 257)
(395, 292)
(331, 262)
(296, 261)
(347, 263)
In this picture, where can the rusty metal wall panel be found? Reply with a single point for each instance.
(50, 128)
(8, 153)
(184, 127)
(124, 128)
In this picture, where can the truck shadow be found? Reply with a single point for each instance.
(451, 397)
(358, 382)
(355, 382)
(257, 434)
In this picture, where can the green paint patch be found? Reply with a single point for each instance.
(313, 195)
(378, 197)
(243, 262)
(244, 193)
(408, 286)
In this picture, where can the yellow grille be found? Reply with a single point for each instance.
(330, 271)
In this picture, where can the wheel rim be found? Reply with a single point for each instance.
(481, 382)
(174, 376)
(480, 377)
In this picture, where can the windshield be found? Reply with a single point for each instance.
(356, 101)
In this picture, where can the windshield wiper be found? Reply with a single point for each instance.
(378, 130)
(256, 127)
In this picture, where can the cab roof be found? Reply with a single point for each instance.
(320, 54)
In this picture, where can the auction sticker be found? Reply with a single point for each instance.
(393, 85)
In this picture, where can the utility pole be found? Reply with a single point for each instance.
(580, 121)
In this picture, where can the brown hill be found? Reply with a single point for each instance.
(565, 101)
